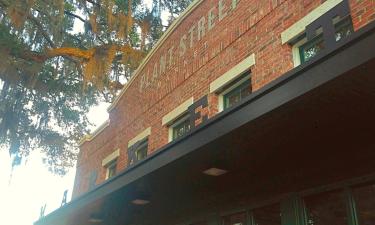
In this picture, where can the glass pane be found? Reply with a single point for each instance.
(233, 99)
(269, 215)
(181, 129)
(235, 219)
(112, 169)
(343, 29)
(245, 91)
(365, 201)
(237, 94)
(326, 209)
(141, 153)
(311, 48)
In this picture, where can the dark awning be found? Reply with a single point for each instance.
(316, 114)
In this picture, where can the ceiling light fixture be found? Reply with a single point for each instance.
(95, 218)
(215, 172)
(140, 202)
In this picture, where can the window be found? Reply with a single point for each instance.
(179, 128)
(364, 197)
(345, 206)
(111, 169)
(177, 121)
(138, 146)
(141, 151)
(343, 28)
(269, 215)
(305, 50)
(109, 163)
(235, 92)
(311, 49)
(327, 208)
(138, 151)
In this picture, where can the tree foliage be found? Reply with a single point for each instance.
(59, 58)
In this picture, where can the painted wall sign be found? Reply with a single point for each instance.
(176, 52)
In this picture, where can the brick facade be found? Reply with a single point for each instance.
(249, 27)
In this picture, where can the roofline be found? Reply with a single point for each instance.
(158, 45)
(98, 130)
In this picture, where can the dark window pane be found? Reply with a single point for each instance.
(365, 201)
(138, 151)
(112, 169)
(245, 91)
(326, 209)
(237, 94)
(235, 219)
(311, 48)
(141, 151)
(343, 29)
(269, 215)
(181, 128)
(232, 99)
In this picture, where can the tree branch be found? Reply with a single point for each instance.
(24, 79)
(93, 2)
(45, 34)
(51, 53)
(41, 29)
(74, 15)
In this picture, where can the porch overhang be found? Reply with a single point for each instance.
(318, 118)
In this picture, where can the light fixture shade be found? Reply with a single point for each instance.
(215, 172)
(96, 218)
(140, 202)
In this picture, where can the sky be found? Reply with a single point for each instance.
(29, 186)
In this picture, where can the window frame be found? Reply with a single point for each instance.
(245, 77)
(134, 150)
(109, 166)
(294, 203)
(109, 161)
(343, 22)
(301, 40)
(143, 145)
(176, 123)
(234, 91)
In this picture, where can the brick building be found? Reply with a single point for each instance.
(246, 112)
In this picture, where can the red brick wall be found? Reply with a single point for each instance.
(253, 27)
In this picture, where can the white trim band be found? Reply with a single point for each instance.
(140, 136)
(232, 74)
(181, 109)
(299, 27)
(114, 155)
(90, 137)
